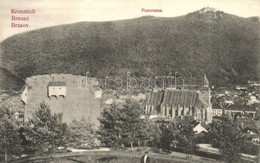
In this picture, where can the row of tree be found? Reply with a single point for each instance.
(121, 126)
(124, 126)
(44, 132)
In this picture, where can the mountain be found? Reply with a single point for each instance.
(224, 46)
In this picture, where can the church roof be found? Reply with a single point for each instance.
(183, 97)
(176, 97)
(154, 98)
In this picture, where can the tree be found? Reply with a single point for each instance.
(135, 129)
(148, 134)
(178, 133)
(122, 125)
(45, 130)
(12, 102)
(228, 137)
(168, 135)
(111, 126)
(10, 142)
(81, 134)
(186, 136)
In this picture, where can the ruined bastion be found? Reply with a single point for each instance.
(80, 100)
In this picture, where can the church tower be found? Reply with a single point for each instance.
(205, 95)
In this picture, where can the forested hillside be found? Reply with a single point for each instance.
(9, 82)
(224, 46)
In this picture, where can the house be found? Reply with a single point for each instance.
(253, 100)
(240, 108)
(217, 112)
(109, 101)
(229, 102)
(199, 129)
(233, 109)
(241, 88)
(254, 83)
(216, 109)
(222, 92)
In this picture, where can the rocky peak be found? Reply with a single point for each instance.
(210, 14)
(208, 9)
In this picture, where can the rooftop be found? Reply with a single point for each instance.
(240, 107)
(175, 97)
(246, 123)
(57, 83)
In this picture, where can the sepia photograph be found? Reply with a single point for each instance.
(130, 81)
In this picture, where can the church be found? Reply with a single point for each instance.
(171, 102)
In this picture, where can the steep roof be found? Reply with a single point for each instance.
(216, 105)
(199, 129)
(154, 98)
(175, 97)
(57, 83)
(183, 97)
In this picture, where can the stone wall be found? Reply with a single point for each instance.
(79, 102)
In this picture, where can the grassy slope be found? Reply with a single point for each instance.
(225, 47)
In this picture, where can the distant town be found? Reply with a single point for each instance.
(202, 104)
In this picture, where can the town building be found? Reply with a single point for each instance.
(199, 129)
(241, 88)
(254, 83)
(234, 109)
(217, 110)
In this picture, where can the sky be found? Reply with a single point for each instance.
(56, 12)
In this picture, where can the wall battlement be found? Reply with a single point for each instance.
(71, 80)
